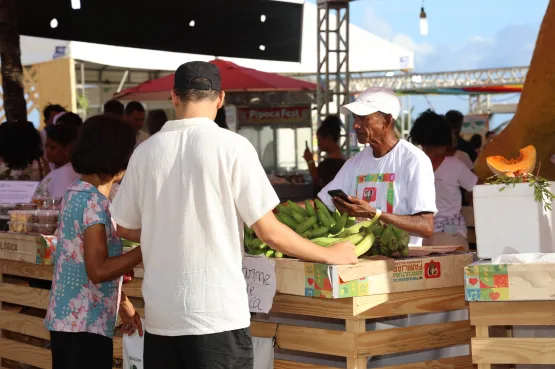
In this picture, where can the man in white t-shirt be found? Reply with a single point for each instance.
(391, 178)
(186, 196)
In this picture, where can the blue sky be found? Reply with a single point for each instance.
(464, 34)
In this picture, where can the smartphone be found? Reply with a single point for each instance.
(339, 193)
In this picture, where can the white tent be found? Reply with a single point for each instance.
(367, 52)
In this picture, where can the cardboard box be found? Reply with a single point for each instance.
(509, 282)
(372, 276)
(36, 249)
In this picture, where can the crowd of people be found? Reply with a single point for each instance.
(186, 188)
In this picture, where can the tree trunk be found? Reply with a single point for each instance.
(15, 106)
(534, 121)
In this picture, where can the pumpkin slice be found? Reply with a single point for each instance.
(525, 162)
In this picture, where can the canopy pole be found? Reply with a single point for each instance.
(332, 41)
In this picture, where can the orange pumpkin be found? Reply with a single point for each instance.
(525, 163)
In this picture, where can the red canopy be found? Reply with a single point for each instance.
(234, 79)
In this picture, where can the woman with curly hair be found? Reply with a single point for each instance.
(20, 152)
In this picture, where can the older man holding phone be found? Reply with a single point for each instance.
(391, 178)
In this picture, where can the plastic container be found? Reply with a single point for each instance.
(23, 216)
(52, 203)
(46, 229)
(47, 216)
(20, 227)
(511, 221)
(24, 206)
(6, 208)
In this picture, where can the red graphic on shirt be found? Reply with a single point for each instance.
(369, 194)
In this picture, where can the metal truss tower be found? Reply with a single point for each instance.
(333, 61)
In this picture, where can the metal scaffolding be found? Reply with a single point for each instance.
(333, 61)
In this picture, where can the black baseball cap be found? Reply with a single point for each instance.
(189, 71)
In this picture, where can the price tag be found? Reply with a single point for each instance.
(260, 275)
(15, 192)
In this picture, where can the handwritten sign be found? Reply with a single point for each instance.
(15, 192)
(260, 275)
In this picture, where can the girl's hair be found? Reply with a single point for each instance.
(104, 146)
(431, 129)
(476, 141)
(66, 129)
(330, 127)
(156, 120)
(20, 144)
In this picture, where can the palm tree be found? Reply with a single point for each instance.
(15, 106)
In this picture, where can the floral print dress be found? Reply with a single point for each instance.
(76, 303)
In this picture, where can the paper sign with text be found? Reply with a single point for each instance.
(260, 275)
(16, 192)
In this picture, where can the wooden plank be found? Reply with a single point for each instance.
(263, 329)
(23, 269)
(512, 313)
(413, 302)
(25, 324)
(416, 338)
(36, 356)
(284, 364)
(513, 350)
(133, 288)
(319, 341)
(309, 306)
(356, 326)
(118, 347)
(459, 362)
(26, 296)
(482, 331)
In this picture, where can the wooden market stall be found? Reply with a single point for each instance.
(511, 307)
(395, 288)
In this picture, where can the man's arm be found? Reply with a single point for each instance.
(420, 224)
(284, 240)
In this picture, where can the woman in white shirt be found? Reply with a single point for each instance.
(60, 141)
(432, 132)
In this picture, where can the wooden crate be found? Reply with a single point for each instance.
(494, 343)
(354, 344)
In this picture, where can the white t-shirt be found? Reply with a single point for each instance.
(57, 182)
(401, 182)
(462, 156)
(449, 177)
(190, 187)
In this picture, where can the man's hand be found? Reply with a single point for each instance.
(355, 207)
(342, 253)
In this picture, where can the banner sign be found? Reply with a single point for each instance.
(277, 115)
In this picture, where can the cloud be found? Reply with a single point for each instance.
(511, 46)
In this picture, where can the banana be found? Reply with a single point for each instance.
(297, 208)
(325, 241)
(319, 232)
(309, 208)
(270, 253)
(278, 255)
(354, 229)
(351, 221)
(323, 217)
(364, 245)
(285, 209)
(290, 222)
(336, 216)
(249, 230)
(338, 227)
(278, 217)
(298, 217)
(256, 252)
(248, 239)
(356, 238)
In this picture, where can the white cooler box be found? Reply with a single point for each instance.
(512, 219)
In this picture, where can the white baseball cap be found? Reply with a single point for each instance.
(372, 100)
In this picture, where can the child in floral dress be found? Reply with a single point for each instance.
(86, 287)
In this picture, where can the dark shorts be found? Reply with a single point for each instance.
(81, 350)
(226, 350)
